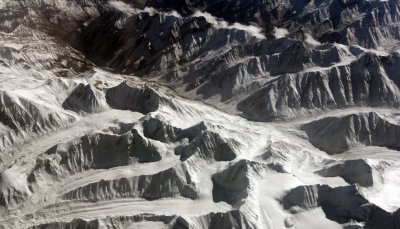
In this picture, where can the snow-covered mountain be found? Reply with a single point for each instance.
(199, 114)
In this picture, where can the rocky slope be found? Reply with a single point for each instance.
(337, 134)
(327, 21)
(199, 114)
(270, 78)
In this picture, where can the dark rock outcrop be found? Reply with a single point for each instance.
(85, 98)
(142, 149)
(362, 82)
(125, 97)
(209, 145)
(109, 222)
(158, 129)
(338, 134)
(340, 204)
(173, 182)
(352, 171)
(231, 185)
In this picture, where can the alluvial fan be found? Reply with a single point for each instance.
(200, 114)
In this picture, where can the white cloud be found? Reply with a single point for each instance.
(123, 7)
(128, 9)
(280, 32)
(216, 22)
(310, 40)
(221, 24)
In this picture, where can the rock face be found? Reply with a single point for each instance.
(273, 78)
(142, 149)
(304, 197)
(93, 151)
(85, 98)
(210, 116)
(216, 220)
(362, 82)
(232, 219)
(378, 218)
(74, 224)
(328, 21)
(173, 182)
(265, 79)
(338, 134)
(11, 195)
(125, 97)
(158, 129)
(341, 204)
(109, 222)
(232, 184)
(201, 141)
(352, 171)
(19, 115)
(209, 145)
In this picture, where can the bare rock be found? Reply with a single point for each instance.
(158, 129)
(338, 134)
(209, 145)
(173, 182)
(231, 185)
(125, 97)
(143, 149)
(352, 171)
(85, 98)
